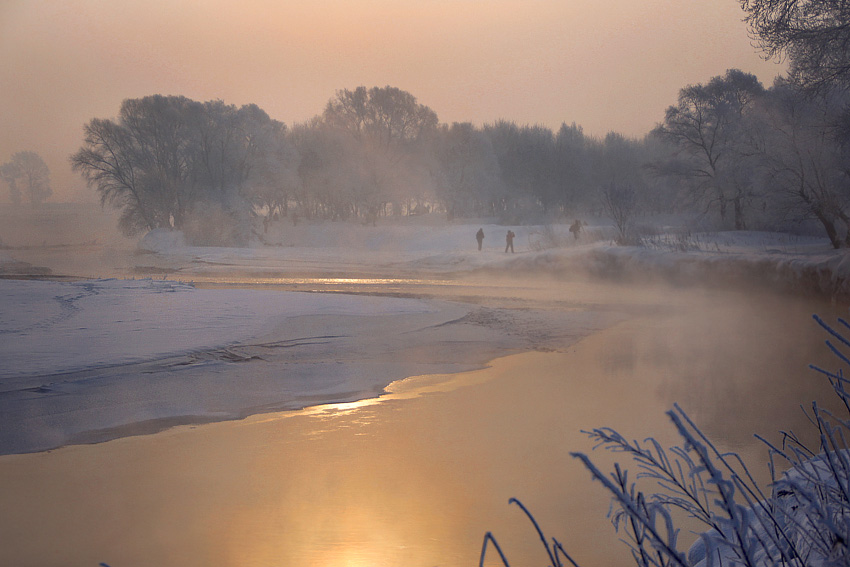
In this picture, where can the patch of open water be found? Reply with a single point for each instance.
(417, 476)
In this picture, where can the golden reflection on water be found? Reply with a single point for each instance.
(417, 476)
(408, 388)
(358, 285)
(320, 282)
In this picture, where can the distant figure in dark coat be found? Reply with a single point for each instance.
(576, 228)
(509, 240)
(479, 236)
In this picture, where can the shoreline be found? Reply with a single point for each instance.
(493, 314)
(306, 360)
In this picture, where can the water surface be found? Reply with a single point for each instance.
(418, 476)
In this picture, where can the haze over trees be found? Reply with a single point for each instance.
(170, 162)
(804, 158)
(707, 132)
(27, 176)
(215, 171)
(729, 154)
(388, 135)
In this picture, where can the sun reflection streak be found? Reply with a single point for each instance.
(404, 389)
(325, 281)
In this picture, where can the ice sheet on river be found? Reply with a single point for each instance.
(97, 359)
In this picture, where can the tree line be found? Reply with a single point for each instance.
(730, 150)
(27, 177)
(213, 170)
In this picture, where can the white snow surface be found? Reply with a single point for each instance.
(60, 327)
(808, 507)
(100, 354)
(307, 247)
(786, 261)
(95, 358)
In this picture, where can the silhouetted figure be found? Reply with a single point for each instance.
(479, 236)
(575, 228)
(509, 241)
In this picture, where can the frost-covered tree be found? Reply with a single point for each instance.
(665, 194)
(393, 133)
(272, 180)
(573, 169)
(27, 175)
(619, 200)
(10, 173)
(622, 184)
(140, 162)
(470, 179)
(813, 34)
(170, 162)
(526, 156)
(705, 131)
(807, 169)
(384, 117)
(331, 170)
(242, 161)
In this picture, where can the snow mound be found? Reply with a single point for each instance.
(162, 240)
(806, 498)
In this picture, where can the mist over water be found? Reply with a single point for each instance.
(57, 224)
(418, 475)
(69, 239)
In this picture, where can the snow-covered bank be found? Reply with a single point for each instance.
(399, 249)
(98, 359)
(779, 262)
(428, 245)
(9, 266)
(807, 267)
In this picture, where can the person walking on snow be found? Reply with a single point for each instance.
(576, 228)
(509, 240)
(479, 236)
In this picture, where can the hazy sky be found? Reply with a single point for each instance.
(604, 64)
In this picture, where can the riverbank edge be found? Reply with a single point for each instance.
(475, 360)
(824, 276)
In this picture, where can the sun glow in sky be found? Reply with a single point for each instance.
(607, 65)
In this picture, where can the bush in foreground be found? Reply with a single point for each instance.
(803, 522)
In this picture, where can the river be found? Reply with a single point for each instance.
(419, 475)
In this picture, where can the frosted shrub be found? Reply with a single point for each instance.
(803, 522)
(683, 241)
(545, 238)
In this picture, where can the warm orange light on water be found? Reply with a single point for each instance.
(417, 476)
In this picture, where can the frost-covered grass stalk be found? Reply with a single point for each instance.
(683, 241)
(676, 242)
(555, 550)
(803, 522)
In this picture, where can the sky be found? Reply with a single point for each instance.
(607, 65)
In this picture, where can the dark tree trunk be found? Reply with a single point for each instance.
(829, 227)
(740, 222)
